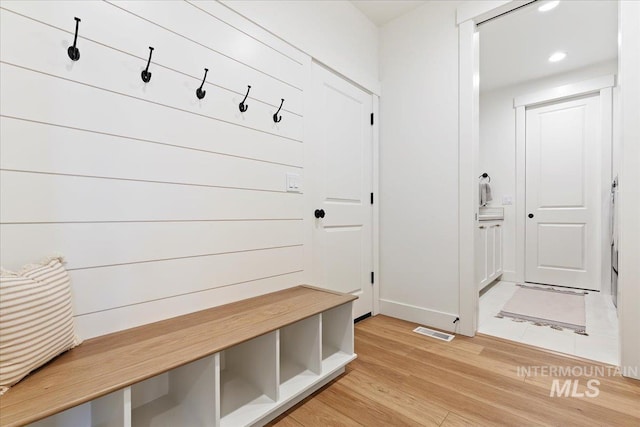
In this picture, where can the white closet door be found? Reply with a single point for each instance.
(562, 194)
(341, 140)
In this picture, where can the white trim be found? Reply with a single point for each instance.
(520, 191)
(509, 276)
(467, 185)
(606, 126)
(421, 315)
(468, 137)
(478, 11)
(566, 91)
(629, 189)
(375, 223)
(307, 187)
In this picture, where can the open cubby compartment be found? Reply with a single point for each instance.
(300, 356)
(337, 337)
(249, 380)
(107, 411)
(186, 396)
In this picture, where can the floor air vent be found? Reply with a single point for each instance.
(434, 334)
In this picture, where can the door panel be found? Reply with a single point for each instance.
(561, 246)
(562, 194)
(341, 143)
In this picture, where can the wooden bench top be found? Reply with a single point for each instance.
(111, 362)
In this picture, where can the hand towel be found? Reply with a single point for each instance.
(485, 193)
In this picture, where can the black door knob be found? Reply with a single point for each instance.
(530, 215)
(319, 213)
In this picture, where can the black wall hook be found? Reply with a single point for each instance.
(146, 75)
(199, 92)
(277, 119)
(244, 107)
(73, 51)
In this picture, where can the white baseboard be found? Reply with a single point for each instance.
(423, 316)
(509, 276)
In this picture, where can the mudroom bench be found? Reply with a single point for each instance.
(238, 364)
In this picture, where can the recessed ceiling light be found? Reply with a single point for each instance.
(548, 6)
(557, 56)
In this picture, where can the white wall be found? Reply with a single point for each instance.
(161, 203)
(498, 144)
(629, 190)
(418, 166)
(335, 33)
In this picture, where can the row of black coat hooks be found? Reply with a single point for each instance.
(74, 54)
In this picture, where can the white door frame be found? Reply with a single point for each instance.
(468, 15)
(603, 86)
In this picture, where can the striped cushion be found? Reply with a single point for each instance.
(36, 319)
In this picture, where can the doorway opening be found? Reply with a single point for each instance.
(545, 139)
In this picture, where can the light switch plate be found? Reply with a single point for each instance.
(294, 183)
(507, 200)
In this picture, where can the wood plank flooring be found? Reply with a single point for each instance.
(404, 379)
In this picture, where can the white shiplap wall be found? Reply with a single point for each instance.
(161, 203)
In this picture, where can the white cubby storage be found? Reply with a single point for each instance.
(300, 356)
(337, 337)
(182, 396)
(108, 411)
(237, 365)
(249, 380)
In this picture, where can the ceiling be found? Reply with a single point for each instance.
(382, 11)
(515, 47)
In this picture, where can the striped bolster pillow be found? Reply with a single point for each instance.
(36, 319)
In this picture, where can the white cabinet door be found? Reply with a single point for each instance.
(491, 252)
(488, 253)
(497, 252)
(482, 276)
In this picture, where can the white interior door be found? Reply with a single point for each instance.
(341, 143)
(563, 178)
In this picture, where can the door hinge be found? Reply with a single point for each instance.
(372, 277)
(371, 198)
(371, 119)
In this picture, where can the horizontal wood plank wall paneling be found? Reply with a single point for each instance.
(111, 70)
(193, 274)
(174, 51)
(108, 114)
(71, 152)
(60, 198)
(99, 244)
(161, 203)
(104, 322)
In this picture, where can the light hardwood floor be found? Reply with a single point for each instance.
(403, 379)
